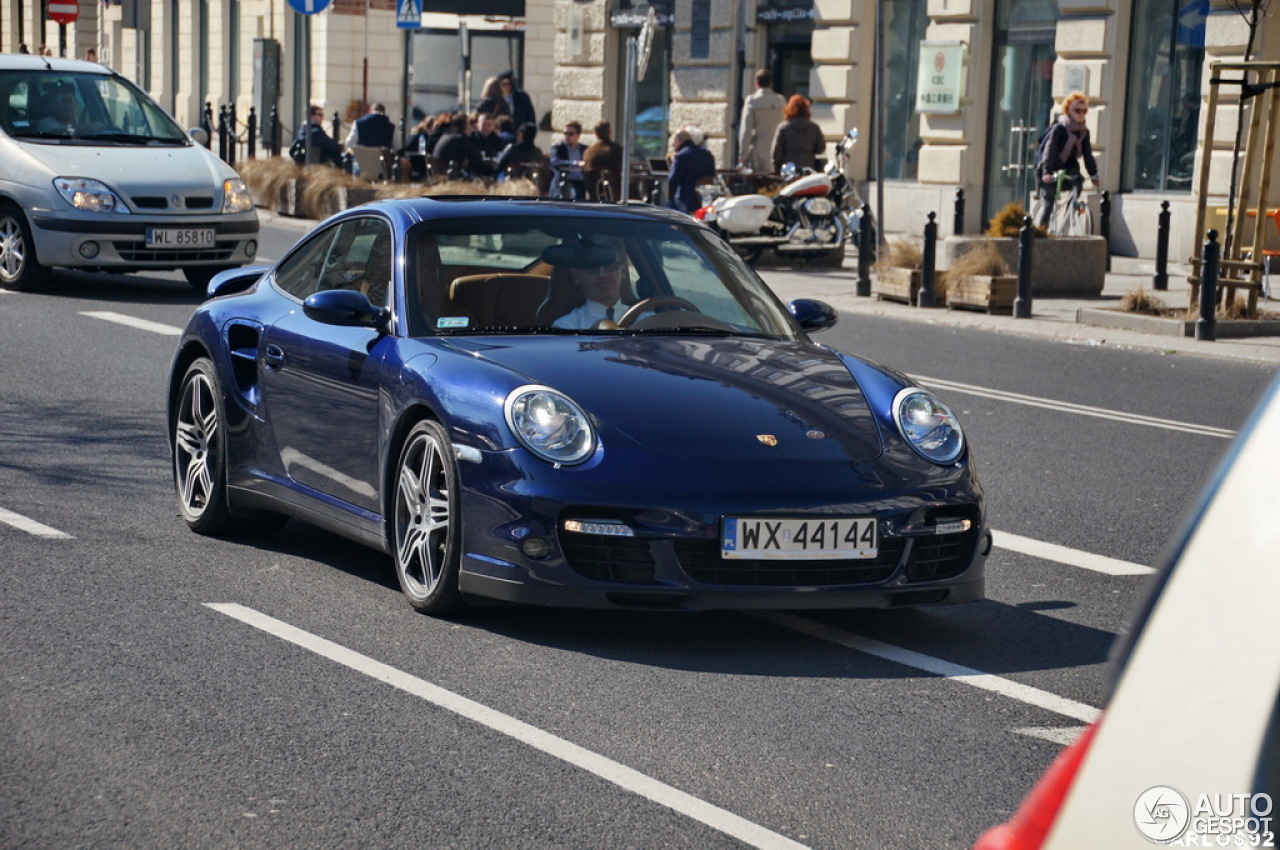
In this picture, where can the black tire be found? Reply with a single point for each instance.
(425, 521)
(199, 460)
(19, 268)
(199, 276)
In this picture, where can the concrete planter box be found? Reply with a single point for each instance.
(994, 294)
(1065, 265)
(290, 201)
(896, 284)
(345, 198)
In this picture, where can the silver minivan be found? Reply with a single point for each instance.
(95, 175)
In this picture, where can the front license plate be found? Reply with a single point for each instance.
(782, 538)
(189, 237)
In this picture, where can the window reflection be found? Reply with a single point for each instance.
(905, 24)
(1164, 94)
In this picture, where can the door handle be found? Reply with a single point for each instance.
(274, 357)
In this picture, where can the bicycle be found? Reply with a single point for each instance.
(1070, 216)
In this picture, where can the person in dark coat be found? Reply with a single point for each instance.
(455, 148)
(522, 150)
(323, 149)
(1068, 144)
(517, 102)
(374, 129)
(566, 159)
(797, 138)
(601, 159)
(690, 162)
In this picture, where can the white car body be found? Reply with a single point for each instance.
(1187, 751)
(126, 190)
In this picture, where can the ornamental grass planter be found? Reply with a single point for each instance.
(990, 293)
(1062, 265)
(897, 284)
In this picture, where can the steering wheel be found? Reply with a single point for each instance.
(648, 305)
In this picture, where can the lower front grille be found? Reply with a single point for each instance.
(947, 555)
(607, 558)
(137, 252)
(701, 561)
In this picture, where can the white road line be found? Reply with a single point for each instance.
(1080, 409)
(1064, 735)
(619, 774)
(130, 321)
(929, 664)
(30, 526)
(1070, 557)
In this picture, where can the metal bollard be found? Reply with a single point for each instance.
(1206, 327)
(1160, 280)
(1104, 223)
(866, 237)
(252, 130)
(1026, 239)
(928, 271)
(231, 138)
(273, 132)
(958, 226)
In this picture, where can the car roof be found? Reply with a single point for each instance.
(480, 206)
(20, 62)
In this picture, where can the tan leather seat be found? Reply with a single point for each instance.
(499, 300)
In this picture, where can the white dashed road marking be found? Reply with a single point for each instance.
(955, 672)
(1070, 557)
(30, 526)
(130, 321)
(619, 774)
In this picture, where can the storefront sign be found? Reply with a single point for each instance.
(940, 83)
(783, 14)
(635, 18)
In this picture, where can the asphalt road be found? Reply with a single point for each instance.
(160, 689)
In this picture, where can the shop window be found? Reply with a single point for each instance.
(905, 24)
(1163, 115)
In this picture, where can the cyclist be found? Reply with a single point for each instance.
(1067, 143)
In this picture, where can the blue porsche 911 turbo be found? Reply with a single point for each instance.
(577, 405)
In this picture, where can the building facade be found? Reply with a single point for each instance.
(968, 84)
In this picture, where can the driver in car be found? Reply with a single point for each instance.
(64, 112)
(602, 286)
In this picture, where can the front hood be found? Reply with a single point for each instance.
(134, 170)
(729, 399)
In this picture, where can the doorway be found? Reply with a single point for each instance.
(1021, 100)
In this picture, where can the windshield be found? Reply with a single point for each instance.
(581, 274)
(62, 106)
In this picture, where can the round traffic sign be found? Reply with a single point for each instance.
(309, 7)
(63, 11)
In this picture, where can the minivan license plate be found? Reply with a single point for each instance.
(188, 237)
(783, 538)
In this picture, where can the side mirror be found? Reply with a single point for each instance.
(813, 315)
(231, 281)
(345, 307)
(199, 136)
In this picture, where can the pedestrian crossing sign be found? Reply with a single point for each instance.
(409, 14)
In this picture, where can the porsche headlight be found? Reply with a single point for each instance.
(89, 195)
(550, 425)
(928, 425)
(235, 197)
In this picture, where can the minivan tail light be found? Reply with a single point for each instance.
(1030, 824)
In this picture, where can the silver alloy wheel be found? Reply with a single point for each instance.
(422, 516)
(195, 440)
(13, 248)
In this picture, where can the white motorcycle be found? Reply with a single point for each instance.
(811, 217)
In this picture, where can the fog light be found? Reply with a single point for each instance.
(250, 248)
(89, 250)
(952, 526)
(536, 548)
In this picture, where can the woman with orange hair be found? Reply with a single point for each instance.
(797, 138)
(1067, 143)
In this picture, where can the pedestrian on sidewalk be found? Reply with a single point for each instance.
(798, 139)
(761, 115)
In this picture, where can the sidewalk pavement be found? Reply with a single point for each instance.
(1051, 317)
